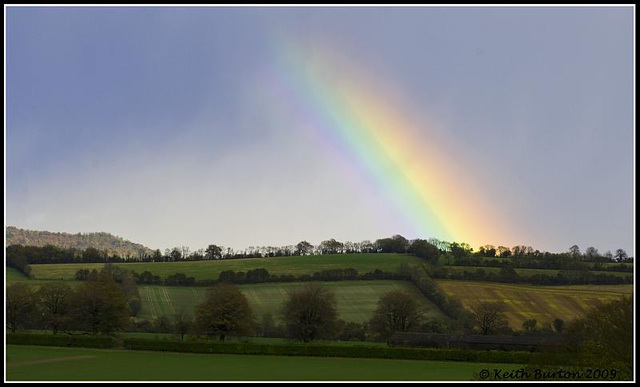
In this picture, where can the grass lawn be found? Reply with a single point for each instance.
(54, 364)
(211, 269)
(543, 303)
(357, 300)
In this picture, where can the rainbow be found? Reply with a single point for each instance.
(410, 158)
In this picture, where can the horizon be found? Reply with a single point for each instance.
(190, 126)
(193, 249)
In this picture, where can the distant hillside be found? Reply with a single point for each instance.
(98, 240)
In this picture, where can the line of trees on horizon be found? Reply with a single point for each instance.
(432, 249)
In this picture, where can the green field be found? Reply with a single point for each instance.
(76, 364)
(357, 300)
(211, 269)
(13, 276)
(528, 272)
(543, 303)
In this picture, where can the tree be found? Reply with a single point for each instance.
(304, 248)
(100, 305)
(310, 312)
(460, 250)
(558, 325)
(591, 253)
(607, 336)
(621, 255)
(20, 305)
(509, 274)
(490, 317)
(131, 292)
(225, 311)
(487, 251)
(182, 323)
(54, 301)
(213, 252)
(395, 244)
(503, 251)
(574, 250)
(331, 246)
(424, 249)
(529, 325)
(397, 311)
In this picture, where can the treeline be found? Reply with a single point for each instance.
(431, 250)
(542, 261)
(99, 305)
(507, 274)
(251, 277)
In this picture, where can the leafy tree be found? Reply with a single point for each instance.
(100, 305)
(607, 336)
(54, 301)
(331, 246)
(460, 250)
(213, 252)
(574, 250)
(310, 312)
(257, 275)
(503, 251)
(304, 248)
(395, 244)
(490, 317)
(508, 273)
(227, 276)
(487, 251)
(20, 305)
(397, 311)
(225, 311)
(424, 249)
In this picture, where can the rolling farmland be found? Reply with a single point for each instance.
(211, 269)
(543, 303)
(356, 299)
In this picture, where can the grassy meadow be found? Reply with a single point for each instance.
(211, 269)
(357, 300)
(543, 303)
(34, 363)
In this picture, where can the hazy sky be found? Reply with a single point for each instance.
(182, 126)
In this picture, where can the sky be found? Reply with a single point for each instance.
(265, 126)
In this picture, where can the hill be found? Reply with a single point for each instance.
(98, 240)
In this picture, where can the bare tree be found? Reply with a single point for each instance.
(20, 305)
(54, 300)
(490, 317)
(182, 323)
(310, 312)
(397, 311)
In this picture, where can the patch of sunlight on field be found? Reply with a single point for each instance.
(543, 303)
